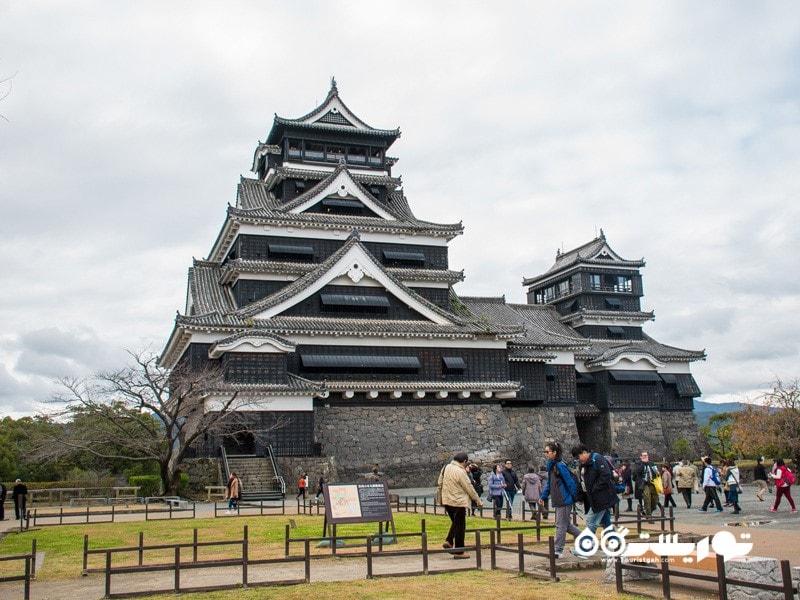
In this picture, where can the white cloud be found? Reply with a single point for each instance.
(673, 126)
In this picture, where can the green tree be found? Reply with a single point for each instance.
(681, 448)
(18, 439)
(719, 434)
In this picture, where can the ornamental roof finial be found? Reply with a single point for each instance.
(602, 235)
(333, 85)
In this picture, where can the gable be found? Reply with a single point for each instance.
(354, 268)
(607, 254)
(342, 188)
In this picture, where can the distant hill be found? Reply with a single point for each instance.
(705, 410)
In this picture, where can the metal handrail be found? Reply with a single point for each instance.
(277, 477)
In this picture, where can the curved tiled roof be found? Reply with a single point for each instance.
(214, 308)
(337, 326)
(541, 325)
(301, 284)
(585, 254)
(294, 386)
(347, 120)
(254, 203)
(208, 296)
(615, 315)
(427, 385)
(240, 265)
(601, 351)
(280, 173)
(308, 194)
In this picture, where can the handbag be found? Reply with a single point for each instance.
(657, 484)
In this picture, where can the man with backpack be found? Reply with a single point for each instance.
(711, 482)
(562, 486)
(597, 482)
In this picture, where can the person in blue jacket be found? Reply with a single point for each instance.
(562, 490)
(597, 482)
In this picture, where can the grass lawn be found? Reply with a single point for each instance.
(63, 556)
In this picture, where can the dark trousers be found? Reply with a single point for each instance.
(458, 525)
(687, 496)
(669, 501)
(498, 505)
(711, 498)
(19, 506)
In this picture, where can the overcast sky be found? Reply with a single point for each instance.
(674, 126)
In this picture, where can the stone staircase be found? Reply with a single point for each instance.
(259, 479)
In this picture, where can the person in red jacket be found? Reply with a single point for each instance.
(783, 481)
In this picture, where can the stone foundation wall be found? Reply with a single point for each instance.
(409, 444)
(654, 431)
(682, 424)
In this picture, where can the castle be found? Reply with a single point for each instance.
(330, 307)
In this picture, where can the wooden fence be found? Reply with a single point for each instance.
(28, 562)
(720, 578)
(186, 557)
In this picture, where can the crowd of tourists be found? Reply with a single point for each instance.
(598, 482)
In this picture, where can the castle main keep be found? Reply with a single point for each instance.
(331, 309)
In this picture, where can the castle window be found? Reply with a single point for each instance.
(611, 283)
(640, 376)
(553, 292)
(616, 332)
(376, 156)
(360, 364)
(334, 153)
(342, 203)
(550, 373)
(614, 303)
(285, 251)
(315, 151)
(454, 365)
(357, 155)
(400, 259)
(295, 148)
(353, 303)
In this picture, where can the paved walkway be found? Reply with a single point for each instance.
(775, 535)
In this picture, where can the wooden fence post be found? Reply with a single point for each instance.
(721, 582)
(245, 555)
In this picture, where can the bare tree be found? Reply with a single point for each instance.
(144, 412)
(772, 427)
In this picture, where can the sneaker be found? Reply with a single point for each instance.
(701, 510)
(772, 509)
(447, 545)
(793, 510)
(559, 554)
(461, 556)
(736, 512)
(719, 510)
(577, 554)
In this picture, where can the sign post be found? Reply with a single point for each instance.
(357, 503)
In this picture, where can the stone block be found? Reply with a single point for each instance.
(757, 569)
(627, 574)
